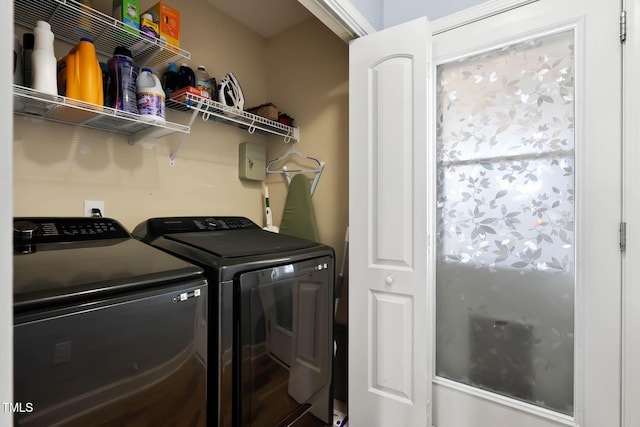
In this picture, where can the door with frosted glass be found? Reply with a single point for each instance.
(527, 207)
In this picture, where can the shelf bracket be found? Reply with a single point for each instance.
(151, 132)
(145, 59)
(294, 136)
(174, 153)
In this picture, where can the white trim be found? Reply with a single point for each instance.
(341, 16)
(631, 212)
(580, 227)
(6, 216)
(476, 13)
(506, 401)
(572, 24)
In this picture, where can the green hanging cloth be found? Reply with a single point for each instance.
(298, 217)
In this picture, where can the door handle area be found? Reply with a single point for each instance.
(390, 279)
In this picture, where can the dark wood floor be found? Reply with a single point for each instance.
(309, 420)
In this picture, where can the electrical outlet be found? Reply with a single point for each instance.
(90, 207)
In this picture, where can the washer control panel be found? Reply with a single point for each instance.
(56, 230)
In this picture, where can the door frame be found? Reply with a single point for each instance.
(631, 210)
(6, 220)
(341, 17)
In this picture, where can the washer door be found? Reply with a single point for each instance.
(135, 360)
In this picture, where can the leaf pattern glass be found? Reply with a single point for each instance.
(505, 220)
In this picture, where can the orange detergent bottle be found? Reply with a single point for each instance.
(80, 75)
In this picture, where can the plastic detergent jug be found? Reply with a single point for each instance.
(124, 74)
(150, 97)
(18, 76)
(106, 83)
(27, 50)
(79, 74)
(171, 79)
(203, 82)
(44, 60)
(187, 76)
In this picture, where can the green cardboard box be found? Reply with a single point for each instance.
(128, 11)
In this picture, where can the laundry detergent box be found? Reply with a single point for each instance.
(168, 20)
(128, 11)
(148, 27)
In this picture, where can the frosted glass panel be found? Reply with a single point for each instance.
(505, 231)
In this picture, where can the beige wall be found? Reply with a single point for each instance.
(308, 72)
(303, 71)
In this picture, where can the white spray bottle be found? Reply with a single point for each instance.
(43, 60)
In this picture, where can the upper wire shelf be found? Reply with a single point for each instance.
(29, 102)
(71, 21)
(251, 122)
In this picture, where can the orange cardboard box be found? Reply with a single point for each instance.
(178, 94)
(168, 20)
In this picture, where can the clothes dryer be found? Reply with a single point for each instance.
(271, 313)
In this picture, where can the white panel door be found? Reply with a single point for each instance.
(388, 339)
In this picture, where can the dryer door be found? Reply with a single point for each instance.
(286, 323)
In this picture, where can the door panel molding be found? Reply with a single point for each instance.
(391, 118)
(391, 372)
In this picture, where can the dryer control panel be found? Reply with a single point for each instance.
(156, 227)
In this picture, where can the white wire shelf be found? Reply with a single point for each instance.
(70, 21)
(29, 102)
(230, 115)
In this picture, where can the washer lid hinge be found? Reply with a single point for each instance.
(623, 236)
(623, 26)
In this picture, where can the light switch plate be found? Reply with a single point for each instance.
(252, 161)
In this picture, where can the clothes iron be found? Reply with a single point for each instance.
(230, 92)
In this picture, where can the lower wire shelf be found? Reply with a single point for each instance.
(32, 103)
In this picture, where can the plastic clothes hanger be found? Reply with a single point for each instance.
(284, 170)
(289, 153)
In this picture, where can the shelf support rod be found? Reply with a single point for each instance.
(174, 153)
